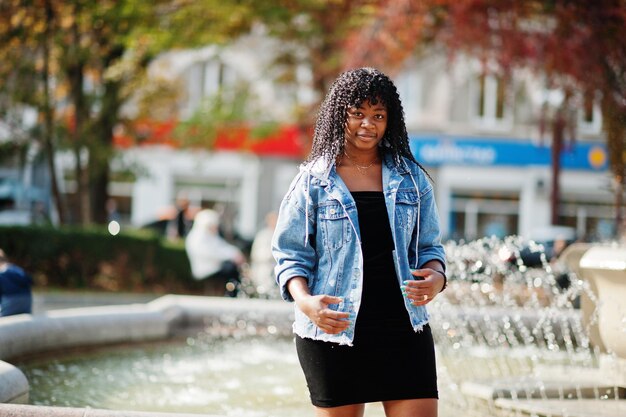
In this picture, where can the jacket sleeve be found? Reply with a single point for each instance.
(293, 250)
(429, 245)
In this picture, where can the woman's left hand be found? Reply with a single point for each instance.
(423, 291)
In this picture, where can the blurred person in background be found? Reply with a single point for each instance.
(180, 224)
(262, 261)
(15, 289)
(40, 214)
(212, 258)
(113, 214)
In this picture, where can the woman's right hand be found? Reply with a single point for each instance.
(316, 309)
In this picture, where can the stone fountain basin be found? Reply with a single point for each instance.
(25, 335)
(605, 268)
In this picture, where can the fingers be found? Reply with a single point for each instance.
(332, 321)
(425, 300)
(421, 272)
(420, 291)
(437, 278)
(417, 295)
(332, 314)
(333, 326)
(329, 299)
(328, 320)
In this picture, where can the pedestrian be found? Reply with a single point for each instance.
(357, 246)
(113, 214)
(261, 259)
(40, 214)
(178, 226)
(15, 289)
(213, 259)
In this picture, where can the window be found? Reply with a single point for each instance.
(593, 220)
(489, 98)
(204, 79)
(589, 115)
(213, 76)
(478, 214)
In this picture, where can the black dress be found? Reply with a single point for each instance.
(388, 360)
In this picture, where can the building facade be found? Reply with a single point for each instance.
(477, 134)
(480, 137)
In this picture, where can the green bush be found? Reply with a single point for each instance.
(79, 258)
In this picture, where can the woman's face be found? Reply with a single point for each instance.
(365, 126)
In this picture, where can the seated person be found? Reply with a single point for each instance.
(15, 289)
(212, 258)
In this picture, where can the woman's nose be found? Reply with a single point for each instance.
(366, 121)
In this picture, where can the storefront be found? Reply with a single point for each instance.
(501, 186)
(242, 177)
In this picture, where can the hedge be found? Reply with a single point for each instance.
(93, 259)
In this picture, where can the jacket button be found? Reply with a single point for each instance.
(332, 211)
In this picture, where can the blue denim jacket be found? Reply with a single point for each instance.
(317, 237)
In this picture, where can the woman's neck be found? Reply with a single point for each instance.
(362, 157)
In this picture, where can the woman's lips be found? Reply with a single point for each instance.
(367, 135)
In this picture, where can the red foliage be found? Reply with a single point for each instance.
(392, 35)
(580, 40)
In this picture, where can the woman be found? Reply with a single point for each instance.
(358, 249)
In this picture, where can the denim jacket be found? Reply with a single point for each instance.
(317, 237)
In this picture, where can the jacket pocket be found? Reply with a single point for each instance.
(407, 208)
(334, 225)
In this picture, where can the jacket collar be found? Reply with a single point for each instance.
(319, 168)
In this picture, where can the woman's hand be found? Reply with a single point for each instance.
(317, 310)
(316, 307)
(423, 291)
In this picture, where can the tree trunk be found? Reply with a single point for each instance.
(49, 120)
(614, 125)
(75, 73)
(100, 194)
(103, 136)
(82, 190)
(620, 221)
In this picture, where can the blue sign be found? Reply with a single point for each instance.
(454, 150)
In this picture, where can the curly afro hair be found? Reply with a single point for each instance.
(350, 89)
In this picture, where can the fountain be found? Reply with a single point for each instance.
(511, 339)
(517, 333)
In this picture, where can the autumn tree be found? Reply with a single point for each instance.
(578, 46)
(77, 62)
(316, 31)
(25, 78)
(312, 34)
